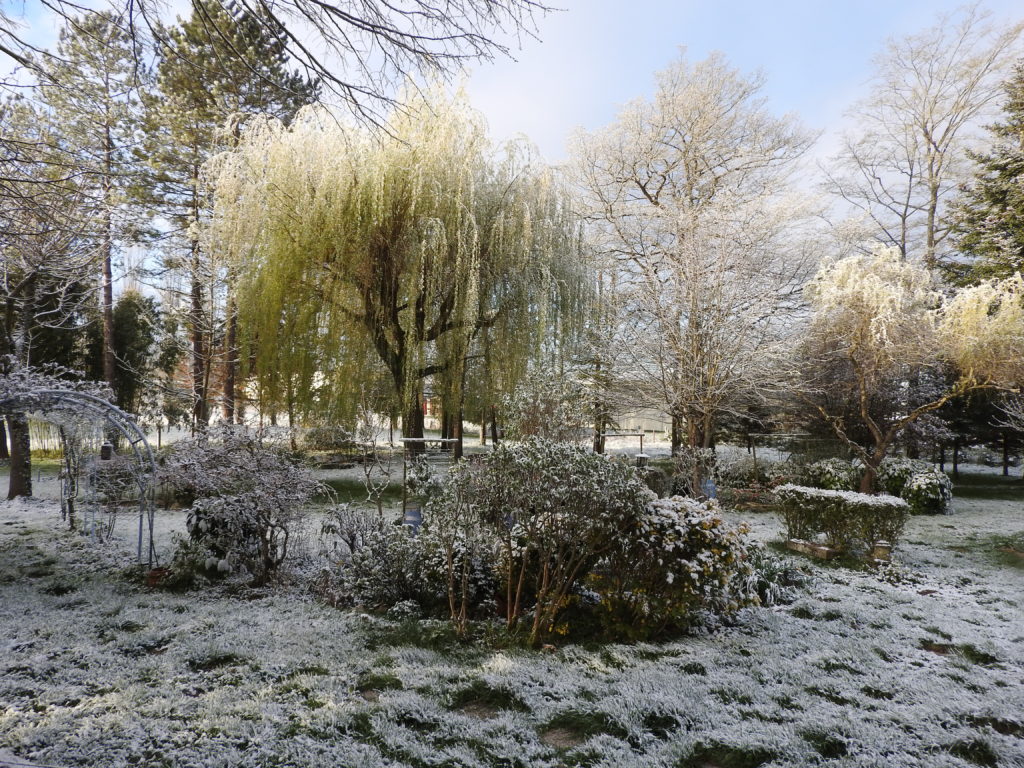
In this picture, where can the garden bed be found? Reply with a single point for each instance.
(97, 670)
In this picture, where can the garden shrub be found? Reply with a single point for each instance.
(832, 474)
(694, 467)
(555, 509)
(781, 472)
(329, 438)
(559, 541)
(741, 471)
(894, 472)
(921, 484)
(929, 492)
(850, 521)
(680, 558)
(458, 551)
(247, 497)
(387, 569)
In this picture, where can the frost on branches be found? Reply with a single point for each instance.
(246, 496)
(879, 323)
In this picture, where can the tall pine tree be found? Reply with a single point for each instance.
(91, 85)
(989, 216)
(214, 72)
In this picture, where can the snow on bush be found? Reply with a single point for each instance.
(247, 495)
(929, 492)
(740, 471)
(554, 510)
(329, 437)
(558, 541)
(895, 471)
(680, 558)
(832, 474)
(850, 521)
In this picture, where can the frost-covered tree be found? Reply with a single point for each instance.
(900, 167)
(880, 318)
(46, 257)
(687, 197)
(362, 253)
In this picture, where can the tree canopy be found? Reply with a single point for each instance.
(392, 253)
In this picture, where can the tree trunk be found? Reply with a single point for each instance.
(412, 423)
(4, 453)
(457, 434)
(483, 431)
(21, 457)
(867, 480)
(942, 458)
(200, 415)
(494, 426)
(956, 457)
(1006, 454)
(677, 433)
(230, 359)
(108, 258)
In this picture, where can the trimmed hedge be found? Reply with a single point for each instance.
(850, 521)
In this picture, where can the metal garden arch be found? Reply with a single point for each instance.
(51, 404)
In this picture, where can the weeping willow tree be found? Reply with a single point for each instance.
(420, 254)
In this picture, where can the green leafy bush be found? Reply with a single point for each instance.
(894, 472)
(741, 472)
(928, 493)
(850, 521)
(832, 474)
(555, 510)
(921, 484)
(387, 568)
(329, 438)
(248, 497)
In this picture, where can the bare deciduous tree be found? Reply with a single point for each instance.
(359, 49)
(687, 198)
(899, 169)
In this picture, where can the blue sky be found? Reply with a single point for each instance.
(597, 55)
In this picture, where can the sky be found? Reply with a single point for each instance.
(594, 56)
(597, 55)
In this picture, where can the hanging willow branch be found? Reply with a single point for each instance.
(386, 255)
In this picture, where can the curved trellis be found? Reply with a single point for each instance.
(50, 403)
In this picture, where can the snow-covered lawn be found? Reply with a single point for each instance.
(923, 666)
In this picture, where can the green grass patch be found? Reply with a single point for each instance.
(214, 660)
(351, 490)
(983, 486)
(725, 756)
(585, 723)
(379, 681)
(977, 751)
(480, 693)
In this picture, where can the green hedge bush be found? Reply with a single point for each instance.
(850, 521)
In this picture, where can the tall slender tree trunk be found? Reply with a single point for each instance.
(678, 430)
(1006, 454)
(230, 358)
(412, 422)
(200, 415)
(494, 426)
(21, 457)
(109, 365)
(4, 453)
(457, 434)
